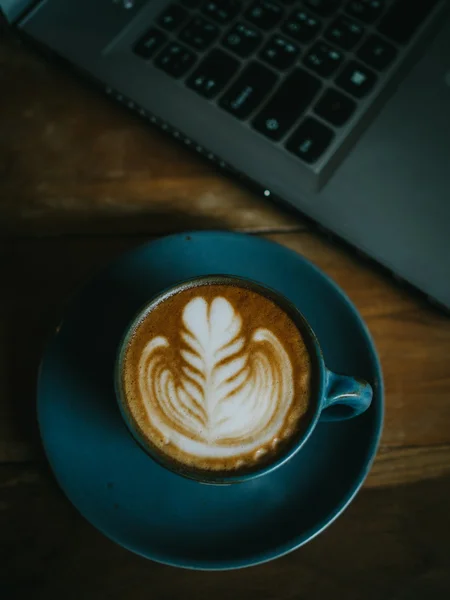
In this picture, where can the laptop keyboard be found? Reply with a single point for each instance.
(296, 70)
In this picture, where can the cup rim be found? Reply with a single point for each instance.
(318, 369)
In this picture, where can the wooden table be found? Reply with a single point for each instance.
(81, 181)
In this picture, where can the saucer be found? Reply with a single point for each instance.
(154, 512)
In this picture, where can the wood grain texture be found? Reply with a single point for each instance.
(72, 162)
(391, 543)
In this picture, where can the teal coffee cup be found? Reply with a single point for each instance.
(221, 379)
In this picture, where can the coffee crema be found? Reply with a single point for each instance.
(216, 377)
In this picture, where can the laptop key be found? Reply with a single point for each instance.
(356, 79)
(334, 107)
(242, 39)
(323, 7)
(213, 73)
(376, 52)
(175, 59)
(323, 59)
(249, 90)
(173, 17)
(302, 26)
(149, 43)
(199, 33)
(404, 17)
(366, 10)
(287, 105)
(280, 52)
(222, 11)
(264, 13)
(310, 140)
(344, 32)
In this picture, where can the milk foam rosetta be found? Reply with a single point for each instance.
(216, 394)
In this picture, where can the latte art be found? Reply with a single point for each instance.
(232, 394)
(215, 377)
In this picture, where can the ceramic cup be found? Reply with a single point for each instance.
(334, 397)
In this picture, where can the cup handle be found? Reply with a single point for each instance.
(345, 397)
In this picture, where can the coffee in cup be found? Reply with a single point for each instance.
(214, 377)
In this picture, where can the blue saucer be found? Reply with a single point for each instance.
(158, 514)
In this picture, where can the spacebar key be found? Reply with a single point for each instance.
(288, 103)
(403, 19)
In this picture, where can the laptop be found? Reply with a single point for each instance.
(340, 109)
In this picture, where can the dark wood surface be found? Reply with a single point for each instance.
(82, 181)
